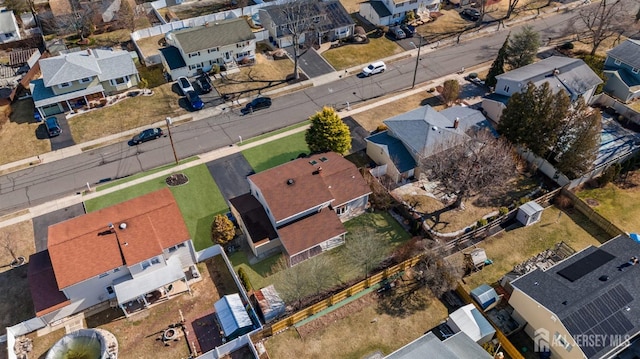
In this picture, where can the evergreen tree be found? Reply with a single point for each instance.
(497, 67)
(328, 132)
(222, 230)
(522, 48)
(450, 91)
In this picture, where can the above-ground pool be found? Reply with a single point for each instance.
(83, 344)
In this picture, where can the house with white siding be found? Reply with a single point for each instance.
(9, 30)
(391, 12)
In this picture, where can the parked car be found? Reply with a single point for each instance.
(205, 83)
(147, 135)
(374, 68)
(257, 104)
(53, 127)
(36, 116)
(408, 29)
(397, 32)
(185, 85)
(194, 101)
(471, 14)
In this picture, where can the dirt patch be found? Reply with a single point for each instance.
(592, 202)
(340, 313)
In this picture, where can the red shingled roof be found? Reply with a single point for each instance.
(84, 247)
(318, 179)
(310, 231)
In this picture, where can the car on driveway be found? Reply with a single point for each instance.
(397, 33)
(147, 135)
(185, 85)
(205, 83)
(257, 104)
(53, 127)
(374, 68)
(408, 29)
(194, 101)
(471, 14)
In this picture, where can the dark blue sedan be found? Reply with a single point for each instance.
(194, 101)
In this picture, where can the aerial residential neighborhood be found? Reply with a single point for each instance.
(319, 178)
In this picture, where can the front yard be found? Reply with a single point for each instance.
(21, 137)
(352, 55)
(264, 75)
(277, 152)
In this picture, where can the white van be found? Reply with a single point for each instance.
(374, 68)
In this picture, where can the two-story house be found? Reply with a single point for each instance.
(195, 49)
(325, 20)
(391, 12)
(9, 30)
(573, 76)
(585, 306)
(622, 70)
(413, 136)
(132, 254)
(298, 207)
(73, 80)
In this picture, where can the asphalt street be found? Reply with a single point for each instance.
(68, 176)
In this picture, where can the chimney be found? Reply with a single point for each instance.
(456, 123)
(88, 51)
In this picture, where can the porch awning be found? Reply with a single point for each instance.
(43, 95)
(139, 286)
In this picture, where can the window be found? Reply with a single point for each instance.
(173, 249)
(119, 81)
(116, 270)
(148, 263)
(64, 84)
(635, 70)
(395, 16)
(617, 62)
(109, 290)
(181, 245)
(215, 49)
(400, 5)
(85, 80)
(155, 260)
(506, 88)
(103, 275)
(341, 210)
(194, 54)
(413, 1)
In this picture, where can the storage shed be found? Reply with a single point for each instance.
(485, 296)
(232, 316)
(529, 213)
(469, 320)
(269, 304)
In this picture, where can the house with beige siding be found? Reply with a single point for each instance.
(298, 207)
(76, 79)
(585, 306)
(132, 255)
(223, 43)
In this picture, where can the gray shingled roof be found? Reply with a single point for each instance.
(426, 131)
(574, 75)
(7, 22)
(74, 66)
(458, 346)
(397, 152)
(380, 8)
(336, 15)
(173, 57)
(214, 34)
(627, 52)
(589, 305)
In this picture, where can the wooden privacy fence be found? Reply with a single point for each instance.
(593, 216)
(507, 346)
(340, 296)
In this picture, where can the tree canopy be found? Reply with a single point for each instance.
(328, 132)
(450, 91)
(497, 67)
(222, 229)
(523, 47)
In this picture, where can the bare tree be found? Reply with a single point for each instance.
(365, 248)
(127, 16)
(295, 285)
(321, 273)
(436, 273)
(79, 21)
(594, 25)
(480, 163)
(8, 244)
(300, 18)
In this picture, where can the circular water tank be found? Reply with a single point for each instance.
(81, 344)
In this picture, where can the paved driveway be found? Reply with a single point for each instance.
(42, 223)
(230, 174)
(312, 63)
(358, 134)
(64, 139)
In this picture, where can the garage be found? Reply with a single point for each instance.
(50, 110)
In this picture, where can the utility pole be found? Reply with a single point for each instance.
(415, 70)
(168, 119)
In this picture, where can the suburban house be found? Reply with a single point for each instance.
(585, 306)
(132, 255)
(298, 207)
(9, 30)
(331, 22)
(74, 80)
(199, 48)
(622, 70)
(457, 346)
(391, 12)
(418, 134)
(562, 73)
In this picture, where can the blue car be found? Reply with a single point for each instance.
(53, 127)
(194, 101)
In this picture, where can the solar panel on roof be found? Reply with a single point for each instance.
(586, 265)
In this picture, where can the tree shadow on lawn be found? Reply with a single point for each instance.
(220, 277)
(583, 222)
(277, 160)
(403, 301)
(15, 300)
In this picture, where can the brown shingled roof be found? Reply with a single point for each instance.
(338, 182)
(60, 7)
(84, 247)
(310, 231)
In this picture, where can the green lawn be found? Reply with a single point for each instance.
(273, 133)
(386, 227)
(351, 55)
(275, 153)
(142, 174)
(199, 201)
(620, 206)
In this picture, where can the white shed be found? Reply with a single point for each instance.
(469, 320)
(529, 213)
(232, 316)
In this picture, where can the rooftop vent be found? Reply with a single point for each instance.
(435, 128)
(556, 72)
(604, 278)
(123, 226)
(317, 171)
(290, 181)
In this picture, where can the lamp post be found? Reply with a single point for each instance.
(415, 70)
(175, 156)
